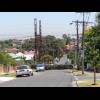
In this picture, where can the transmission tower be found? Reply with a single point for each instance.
(38, 40)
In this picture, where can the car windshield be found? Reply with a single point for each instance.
(40, 65)
(23, 67)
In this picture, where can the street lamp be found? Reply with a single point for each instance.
(71, 23)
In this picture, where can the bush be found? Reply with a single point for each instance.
(50, 67)
(58, 67)
(33, 66)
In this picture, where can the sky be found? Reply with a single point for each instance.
(20, 25)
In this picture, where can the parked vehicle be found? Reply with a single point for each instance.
(24, 70)
(40, 67)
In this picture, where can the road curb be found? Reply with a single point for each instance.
(75, 82)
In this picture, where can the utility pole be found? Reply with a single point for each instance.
(40, 40)
(74, 54)
(77, 23)
(83, 47)
(83, 39)
(83, 22)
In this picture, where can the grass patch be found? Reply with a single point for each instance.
(74, 70)
(8, 75)
(79, 73)
(88, 83)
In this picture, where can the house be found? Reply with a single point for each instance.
(17, 42)
(72, 45)
(13, 50)
(20, 56)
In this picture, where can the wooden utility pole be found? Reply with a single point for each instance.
(77, 23)
(83, 24)
(40, 40)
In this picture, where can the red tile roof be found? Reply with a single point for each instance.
(13, 49)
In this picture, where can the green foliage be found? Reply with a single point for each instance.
(6, 59)
(98, 64)
(92, 44)
(58, 67)
(28, 44)
(66, 38)
(52, 46)
(47, 58)
(70, 55)
(5, 44)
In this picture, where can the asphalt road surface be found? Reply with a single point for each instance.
(50, 78)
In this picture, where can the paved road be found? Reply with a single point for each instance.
(51, 78)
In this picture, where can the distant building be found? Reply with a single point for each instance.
(13, 50)
(70, 46)
(17, 42)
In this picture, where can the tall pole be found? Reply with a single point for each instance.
(83, 46)
(77, 23)
(40, 40)
(74, 54)
(77, 46)
(35, 32)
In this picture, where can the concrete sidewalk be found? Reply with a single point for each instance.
(4, 79)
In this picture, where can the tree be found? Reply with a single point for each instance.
(92, 38)
(28, 44)
(6, 59)
(47, 58)
(6, 44)
(64, 36)
(70, 55)
(52, 46)
(98, 17)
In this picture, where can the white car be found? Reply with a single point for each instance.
(24, 70)
(40, 67)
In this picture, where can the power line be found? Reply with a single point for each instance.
(77, 28)
(83, 22)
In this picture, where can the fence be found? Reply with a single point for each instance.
(7, 69)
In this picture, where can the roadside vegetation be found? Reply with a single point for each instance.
(88, 83)
(13, 74)
(79, 73)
